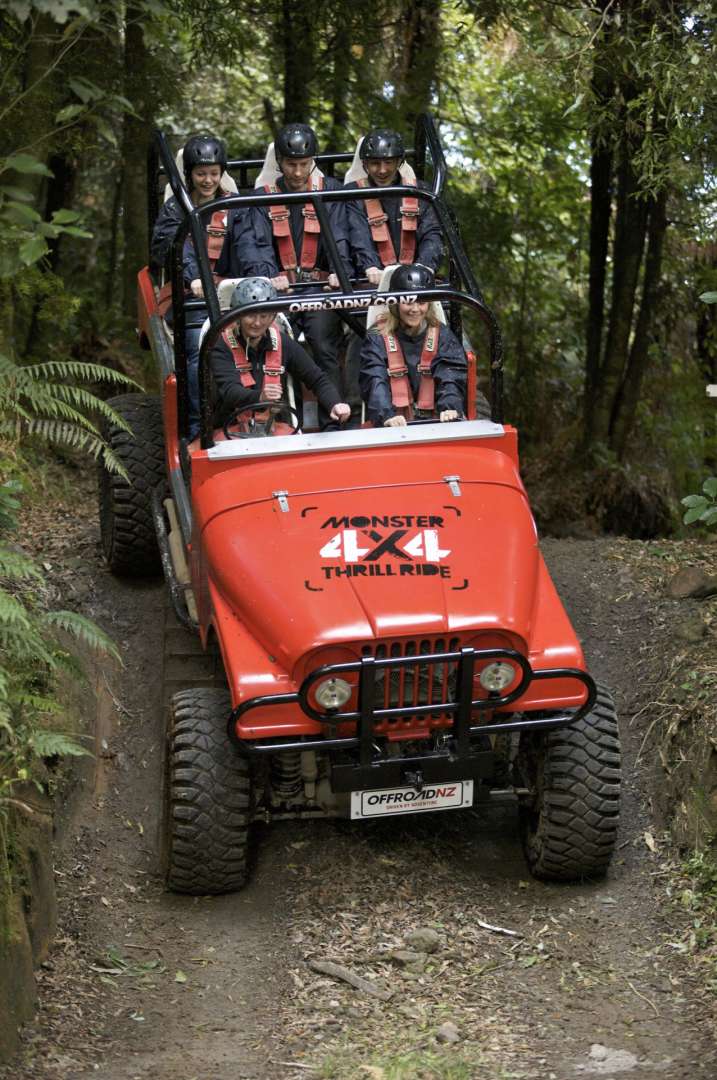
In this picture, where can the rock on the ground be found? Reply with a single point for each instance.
(691, 581)
(448, 1033)
(691, 629)
(410, 961)
(423, 939)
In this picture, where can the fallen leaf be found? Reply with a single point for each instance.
(180, 977)
(650, 841)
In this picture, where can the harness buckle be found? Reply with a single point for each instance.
(380, 219)
(410, 213)
(397, 373)
(279, 214)
(214, 231)
(273, 370)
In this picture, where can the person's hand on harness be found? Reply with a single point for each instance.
(333, 281)
(340, 412)
(281, 283)
(196, 289)
(373, 274)
(272, 393)
(395, 421)
(448, 414)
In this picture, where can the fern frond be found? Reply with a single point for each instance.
(52, 407)
(81, 398)
(56, 431)
(16, 566)
(83, 630)
(53, 744)
(13, 613)
(77, 369)
(39, 703)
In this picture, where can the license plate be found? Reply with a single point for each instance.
(387, 802)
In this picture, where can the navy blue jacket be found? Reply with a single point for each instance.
(168, 221)
(255, 253)
(429, 239)
(449, 370)
(232, 396)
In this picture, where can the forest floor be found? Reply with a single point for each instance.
(592, 980)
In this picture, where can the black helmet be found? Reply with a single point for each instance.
(296, 141)
(203, 150)
(412, 276)
(382, 143)
(252, 290)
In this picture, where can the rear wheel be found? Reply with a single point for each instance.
(569, 820)
(126, 521)
(209, 795)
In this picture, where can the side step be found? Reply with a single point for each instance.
(186, 664)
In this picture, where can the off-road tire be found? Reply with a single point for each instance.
(126, 522)
(208, 797)
(569, 821)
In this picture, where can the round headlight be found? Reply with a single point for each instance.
(333, 693)
(495, 677)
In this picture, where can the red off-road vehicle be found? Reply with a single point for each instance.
(391, 638)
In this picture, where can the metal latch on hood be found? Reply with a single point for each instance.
(283, 499)
(454, 484)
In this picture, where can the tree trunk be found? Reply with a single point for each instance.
(297, 37)
(628, 246)
(420, 46)
(341, 79)
(629, 396)
(600, 215)
(135, 143)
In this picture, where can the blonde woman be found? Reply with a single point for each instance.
(412, 365)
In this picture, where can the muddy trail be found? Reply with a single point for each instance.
(145, 984)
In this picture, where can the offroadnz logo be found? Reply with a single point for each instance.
(395, 545)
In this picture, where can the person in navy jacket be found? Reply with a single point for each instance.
(407, 234)
(428, 365)
(250, 363)
(204, 160)
(267, 243)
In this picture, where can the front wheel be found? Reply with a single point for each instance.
(569, 819)
(208, 797)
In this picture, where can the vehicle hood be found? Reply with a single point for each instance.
(377, 558)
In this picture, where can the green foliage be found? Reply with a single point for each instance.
(31, 659)
(33, 401)
(702, 508)
(24, 236)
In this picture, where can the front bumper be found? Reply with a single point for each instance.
(359, 762)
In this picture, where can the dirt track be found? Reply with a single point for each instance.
(146, 984)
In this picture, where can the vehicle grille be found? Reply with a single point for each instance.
(421, 684)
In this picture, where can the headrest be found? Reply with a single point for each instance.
(376, 311)
(357, 171)
(228, 182)
(270, 171)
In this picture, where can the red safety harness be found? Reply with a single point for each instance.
(273, 367)
(216, 231)
(281, 228)
(401, 393)
(381, 235)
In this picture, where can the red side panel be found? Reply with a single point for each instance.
(146, 306)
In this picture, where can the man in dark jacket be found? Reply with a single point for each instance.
(393, 229)
(251, 361)
(286, 249)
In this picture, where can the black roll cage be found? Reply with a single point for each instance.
(463, 288)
